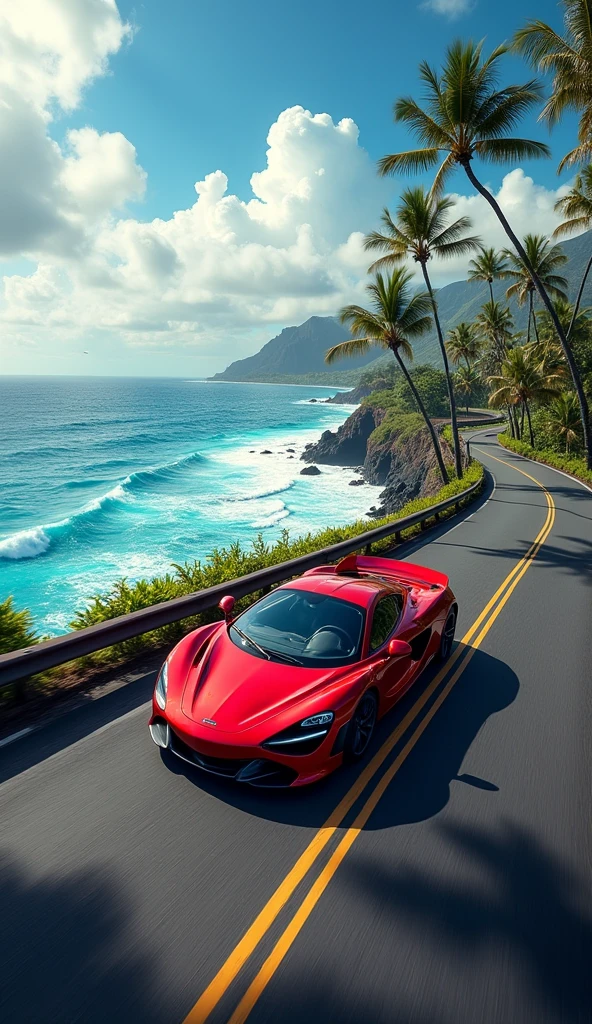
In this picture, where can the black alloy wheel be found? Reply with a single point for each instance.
(447, 638)
(360, 728)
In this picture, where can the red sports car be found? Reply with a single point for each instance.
(287, 691)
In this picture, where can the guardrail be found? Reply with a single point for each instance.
(60, 649)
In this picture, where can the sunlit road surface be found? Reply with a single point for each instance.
(445, 880)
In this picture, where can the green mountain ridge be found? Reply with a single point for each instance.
(296, 355)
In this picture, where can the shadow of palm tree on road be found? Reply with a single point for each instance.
(534, 920)
(69, 953)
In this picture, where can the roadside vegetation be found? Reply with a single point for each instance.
(469, 116)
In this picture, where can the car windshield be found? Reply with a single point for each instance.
(307, 628)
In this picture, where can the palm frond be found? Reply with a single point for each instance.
(500, 151)
(355, 347)
(462, 247)
(412, 162)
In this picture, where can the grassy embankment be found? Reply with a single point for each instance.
(567, 463)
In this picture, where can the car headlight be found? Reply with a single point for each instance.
(303, 737)
(324, 718)
(160, 690)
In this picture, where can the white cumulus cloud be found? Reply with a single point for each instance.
(216, 277)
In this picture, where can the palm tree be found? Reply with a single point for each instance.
(569, 59)
(397, 316)
(564, 418)
(467, 116)
(496, 325)
(423, 230)
(577, 207)
(463, 343)
(488, 266)
(545, 258)
(465, 382)
(581, 330)
(521, 381)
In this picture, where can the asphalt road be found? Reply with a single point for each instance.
(127, 882)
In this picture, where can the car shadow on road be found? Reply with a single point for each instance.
(519, 904)
(487, 686)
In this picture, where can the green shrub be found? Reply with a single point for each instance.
(16, 628)
(568, 463)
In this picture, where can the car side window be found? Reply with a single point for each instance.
(386, 616)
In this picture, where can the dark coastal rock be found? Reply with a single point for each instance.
(266, 451)
(290, 450)
(313, 401)
(290, 456)
(310, 471)
(398, 458)
(356, 483)
(347, 446)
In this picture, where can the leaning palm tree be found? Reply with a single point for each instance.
(568, 59)
(422, 230)
(396, 318)
(488, 266)
(468, 116)
(463, 342)
(522, 381)
(564, 418)
(545, 258)
(577, 207)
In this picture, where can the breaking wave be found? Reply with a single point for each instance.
(37, 540)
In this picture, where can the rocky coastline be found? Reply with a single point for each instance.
(391, 451)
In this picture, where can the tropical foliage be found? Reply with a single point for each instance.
(422, 230)
(466, 116)
(397, 316)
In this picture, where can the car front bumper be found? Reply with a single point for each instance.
(251, 766)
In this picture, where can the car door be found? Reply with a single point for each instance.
(392, 675)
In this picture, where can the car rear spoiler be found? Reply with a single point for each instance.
(404, 572)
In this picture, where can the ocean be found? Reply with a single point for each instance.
(108, 477)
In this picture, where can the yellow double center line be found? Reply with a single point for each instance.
(470, 642)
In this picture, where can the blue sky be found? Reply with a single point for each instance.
(200, 84)
(110, 264)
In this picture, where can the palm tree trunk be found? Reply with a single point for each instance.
(424, 413)
(490, 291)
(453, 422)
(535, 325)
(573, 369)
(530, 315)
(511, 420)
(522, 422)
(579, 299)
(529, 424)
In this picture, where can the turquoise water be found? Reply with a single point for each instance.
(109, 477)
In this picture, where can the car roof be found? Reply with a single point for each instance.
(359, 590)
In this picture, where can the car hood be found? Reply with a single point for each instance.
(239, 691)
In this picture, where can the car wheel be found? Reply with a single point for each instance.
(447, 638)
(361, 727)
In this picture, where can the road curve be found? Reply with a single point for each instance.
(455, 889)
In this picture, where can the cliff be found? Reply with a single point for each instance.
(394, 450)
(296, 351)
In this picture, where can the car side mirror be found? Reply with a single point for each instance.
(226, 604)
(399, 649)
